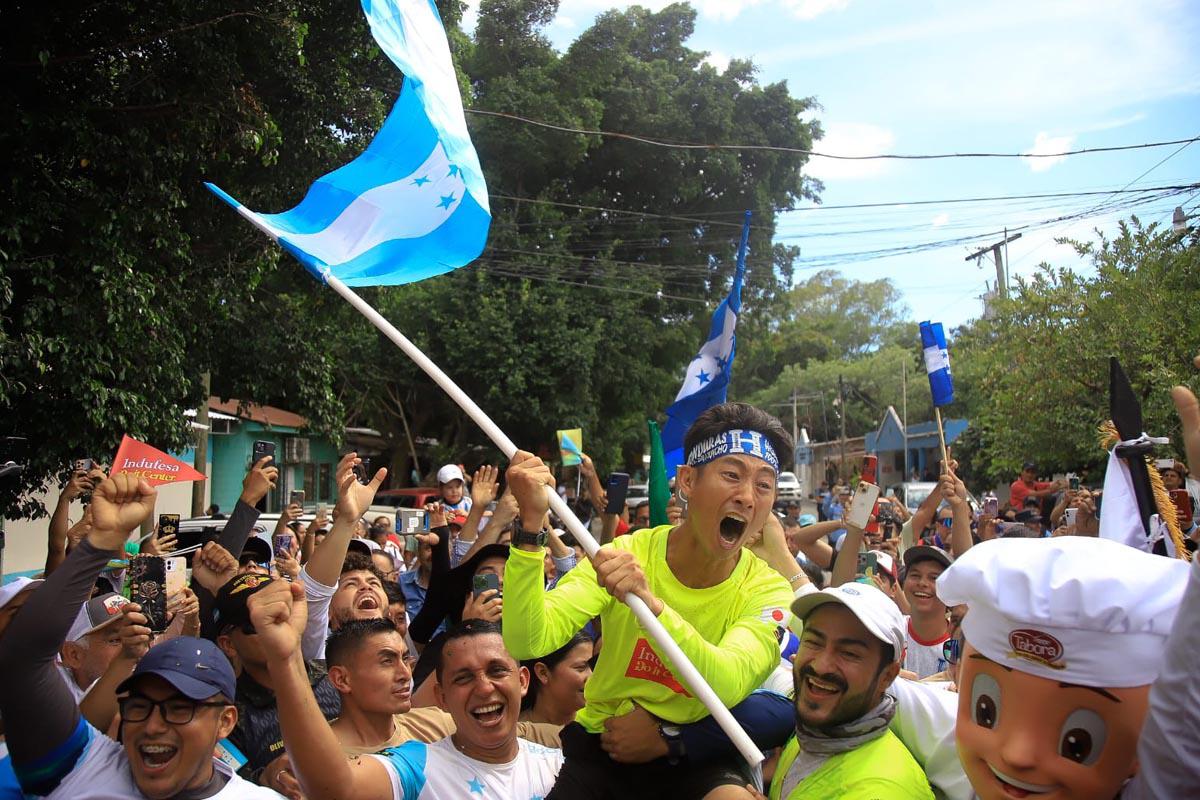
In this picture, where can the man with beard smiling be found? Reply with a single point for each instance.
(716, 599)
(479, 684)
(848, 657)
(175, 706)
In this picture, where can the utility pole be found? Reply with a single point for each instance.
(998, 255)
(904, 410)
(795, 432)
(842, 410)
(203, 429)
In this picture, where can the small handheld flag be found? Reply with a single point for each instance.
(937, 363)
(414, 204)
(707, 381)
(154, 465)
(570, 446)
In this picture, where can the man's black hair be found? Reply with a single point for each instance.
(381, 552)
(466, 629)
(641, 505)
(889, 655)
(343, 643)
(358, 562)
(738, 416)
(394, 592)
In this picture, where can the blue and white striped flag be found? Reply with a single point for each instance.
(937, 363)
(707, 381)
(414, 204)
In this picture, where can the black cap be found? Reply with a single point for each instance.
(259, 547)
(914, 555)
(230, 609)
(1029, 465)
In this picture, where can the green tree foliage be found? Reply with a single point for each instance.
(871, 382)
(1034, 377)
(825, 318)
(579, 317)
(834, 326)
(121, 281)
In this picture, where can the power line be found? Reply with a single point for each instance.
(680, 145)
(884, 204)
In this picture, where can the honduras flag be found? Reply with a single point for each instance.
(708, 375)
(414, 204)
(937, 363)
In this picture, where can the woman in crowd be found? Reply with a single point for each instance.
(556, 682)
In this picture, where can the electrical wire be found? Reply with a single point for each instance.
(681, 145)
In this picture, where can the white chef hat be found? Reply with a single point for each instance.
(1072, 609)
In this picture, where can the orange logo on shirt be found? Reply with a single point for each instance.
(646, 664)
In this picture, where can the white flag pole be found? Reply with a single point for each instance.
(684, 668)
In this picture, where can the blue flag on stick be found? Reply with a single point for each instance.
(414, 204)
(708, 375)
(937, 363)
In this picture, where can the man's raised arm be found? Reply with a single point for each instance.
(42, 719)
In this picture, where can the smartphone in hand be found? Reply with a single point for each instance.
(485, 582)
(859, 512)
(264, 449)
(296, 497)
(867, 565)
(617, 490)
(148, 588)
(168, 525)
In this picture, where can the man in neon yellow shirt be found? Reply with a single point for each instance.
(849, 655)
(718, 601)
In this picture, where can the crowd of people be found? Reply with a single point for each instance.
(954, 650)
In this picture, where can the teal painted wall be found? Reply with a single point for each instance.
(231, 459)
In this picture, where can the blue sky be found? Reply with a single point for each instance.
(943, 76)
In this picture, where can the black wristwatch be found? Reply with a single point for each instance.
(670, 735)
(522, 536)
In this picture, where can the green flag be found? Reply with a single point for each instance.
(659, 491)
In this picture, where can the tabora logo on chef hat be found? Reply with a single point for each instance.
(1038, 647)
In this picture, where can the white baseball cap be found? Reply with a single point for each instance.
(874, 609)
(14, 587)
(886, 563)
(448, 473)
(1073, 609)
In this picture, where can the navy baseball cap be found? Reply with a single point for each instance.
(196, 667)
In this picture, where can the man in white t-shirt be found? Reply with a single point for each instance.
(927, 627)
(478, 683)
(341, 588)
(175, 707)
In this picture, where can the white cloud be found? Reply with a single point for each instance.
(722, 10)
(1045, 144)
(718, 60)
(850, 139)
(1078, 59)
(811, 9)
(940, 220)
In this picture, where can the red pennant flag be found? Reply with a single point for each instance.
(152, 464)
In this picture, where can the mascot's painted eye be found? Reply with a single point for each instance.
(1082, 737)
(985, 700)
